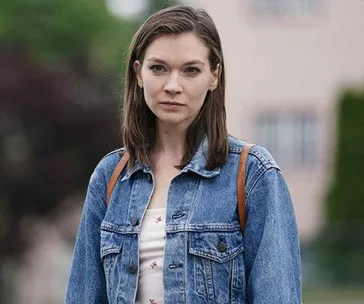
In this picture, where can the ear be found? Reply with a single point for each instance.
(137, 66)
(215, 76)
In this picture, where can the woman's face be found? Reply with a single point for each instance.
(175, 77)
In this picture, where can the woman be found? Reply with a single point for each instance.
(171, 232)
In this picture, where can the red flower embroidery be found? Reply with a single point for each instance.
(158, 219)
(154, 264)
(152, 301)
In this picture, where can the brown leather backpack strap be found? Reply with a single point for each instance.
(114, 177)
(241, 185)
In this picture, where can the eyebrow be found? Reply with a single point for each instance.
(191, 62)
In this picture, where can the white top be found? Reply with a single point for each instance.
(152, 240)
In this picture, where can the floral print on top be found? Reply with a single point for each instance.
(152, 240)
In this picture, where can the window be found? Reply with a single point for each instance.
(283, 7)
(290, 138)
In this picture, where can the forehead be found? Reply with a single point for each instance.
(178, 48)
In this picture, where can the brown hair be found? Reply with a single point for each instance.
(138, 127)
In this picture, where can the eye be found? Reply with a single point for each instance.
(157, 68)
(192, 70)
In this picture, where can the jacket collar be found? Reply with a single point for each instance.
(199, 161)
(196, 165)
(138, 166)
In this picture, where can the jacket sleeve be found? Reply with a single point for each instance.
(272, 252)
(87, 279)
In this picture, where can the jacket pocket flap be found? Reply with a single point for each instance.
(217, 246)
(111, 243)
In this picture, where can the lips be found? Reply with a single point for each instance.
(171, 103)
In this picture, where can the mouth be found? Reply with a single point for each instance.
(171, 103)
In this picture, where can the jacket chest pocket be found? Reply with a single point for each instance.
(111, 245)
(218, 261)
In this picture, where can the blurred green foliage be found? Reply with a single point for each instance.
(346, 198)
(333, 296)
(61, 66)
(78, 31)
(341, 243)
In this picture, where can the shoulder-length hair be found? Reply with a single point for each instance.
(138, 124)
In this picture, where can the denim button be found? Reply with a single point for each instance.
(222, 247)
(134, 221)
(132, 269)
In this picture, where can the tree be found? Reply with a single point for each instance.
(341, 241)
(60, 64)
(60, 96)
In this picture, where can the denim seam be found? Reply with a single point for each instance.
(94, 187)
(109, 251)
(215, 257)
(264, 161)
(235, 150)
(203, 227)
(257, 180)
(233, 281)
(185, 270)
(98, 184)
(192, 203)
(257, 174)
(209, 280)
(113, 152)
(254, 151)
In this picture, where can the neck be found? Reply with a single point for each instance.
(169, 142)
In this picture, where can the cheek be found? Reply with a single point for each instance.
(151, 86)
(198, 91)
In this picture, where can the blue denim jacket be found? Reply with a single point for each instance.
(206, 258)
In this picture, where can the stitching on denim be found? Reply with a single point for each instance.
(107, 226)
(257, 180)
(113, 152)
(98, 184)
(218, 257)
(209, 280)
(266, 162)
(94, 187)
(203, 228)
(257, 173)
(235, 150)
(132, 195)
(192, 202)
(110, 251)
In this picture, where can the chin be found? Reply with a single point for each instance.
(172, 121)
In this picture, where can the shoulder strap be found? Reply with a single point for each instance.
(112, 181)
(241, 185)
(241, 182)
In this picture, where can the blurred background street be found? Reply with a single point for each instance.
(295, 84)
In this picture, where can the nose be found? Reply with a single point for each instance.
(173, 85)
